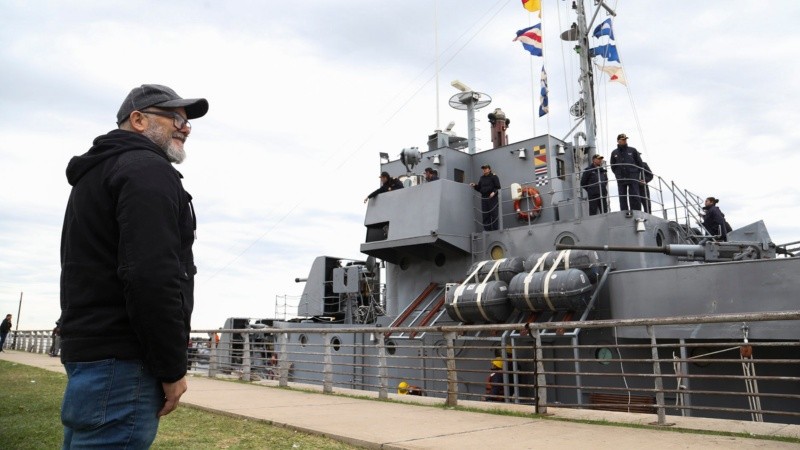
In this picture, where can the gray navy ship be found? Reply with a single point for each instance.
(545, 258)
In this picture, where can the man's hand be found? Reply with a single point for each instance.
(172, 394)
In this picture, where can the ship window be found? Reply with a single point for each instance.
(377, 232)
(336, 343)
(303, 340)
(391, 347)
(497, 252)
(439, 259)
(458, 175)
(561, 169)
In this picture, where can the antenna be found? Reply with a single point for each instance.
(471, 101)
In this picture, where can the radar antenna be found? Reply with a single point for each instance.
(471, 101)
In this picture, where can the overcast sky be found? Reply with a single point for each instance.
(304, 95)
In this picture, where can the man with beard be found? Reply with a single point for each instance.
(127, 274)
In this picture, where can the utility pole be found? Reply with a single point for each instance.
(16, 331)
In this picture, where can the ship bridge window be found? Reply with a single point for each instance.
(458, 175)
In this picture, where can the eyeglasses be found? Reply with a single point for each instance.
(178, 120)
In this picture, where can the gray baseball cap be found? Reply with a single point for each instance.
(148, 95)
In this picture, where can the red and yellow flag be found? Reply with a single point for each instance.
(532, 5)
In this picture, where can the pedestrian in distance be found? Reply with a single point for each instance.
(127, 274)
(595, 181)
(489, 187)
(627, 167)
(5, 327)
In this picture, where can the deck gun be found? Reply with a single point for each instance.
(710, 251)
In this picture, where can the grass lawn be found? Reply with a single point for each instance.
(30, 404)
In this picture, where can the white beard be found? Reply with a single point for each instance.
(175, 153)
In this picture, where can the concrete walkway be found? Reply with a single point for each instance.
(410, 425)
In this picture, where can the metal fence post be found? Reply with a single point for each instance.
(452, 376)
(383, 372)
(659, 383)
(541, 381)
(327, 370)
(283, 360)
(246, 357)
(213, 363)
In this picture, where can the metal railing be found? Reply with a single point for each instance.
(544, 365)
(666, 200)
(722, 378)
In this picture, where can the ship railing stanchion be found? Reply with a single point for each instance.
(327, 370)
(283, 360)
(383, 373)
(659, 382)
(540, 383)
(246, 357)
(452, 376)
(577, 355)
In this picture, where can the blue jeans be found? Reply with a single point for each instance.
(3, 340)
(110, 404)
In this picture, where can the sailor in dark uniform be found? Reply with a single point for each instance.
(627, 167)
(595, 181)
(489, 187)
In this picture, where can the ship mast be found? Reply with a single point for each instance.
(586, 79)
(584, 107)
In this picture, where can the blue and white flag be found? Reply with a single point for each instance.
(608, 51)
(543, 105)
(531, 39)
(604, 29)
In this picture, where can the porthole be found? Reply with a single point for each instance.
(497, 252)
(336, 343)
(700, 356)
(391, 347)
(659, 238)
(439, 259)
(566, 239)
(603, 355)
(303, 340)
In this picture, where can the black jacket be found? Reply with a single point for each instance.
(714, 222)
(5, 327)
(626, 163)
(127, 270)
(488, 184)
(392, 184)
(595, 181)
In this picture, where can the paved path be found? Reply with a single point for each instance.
(409, 425)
